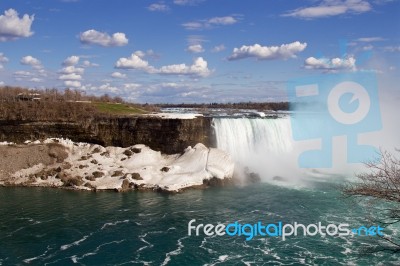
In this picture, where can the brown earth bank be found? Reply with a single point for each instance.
(14, 157)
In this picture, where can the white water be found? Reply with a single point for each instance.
(265, 146)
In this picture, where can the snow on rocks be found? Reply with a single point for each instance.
(94, 167)
(174, 115)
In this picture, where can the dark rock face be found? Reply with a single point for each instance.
(165, 135)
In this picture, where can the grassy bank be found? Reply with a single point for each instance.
(118, 108)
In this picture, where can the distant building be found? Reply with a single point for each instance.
(28, 97)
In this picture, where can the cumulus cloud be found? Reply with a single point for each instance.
(195, 48)
(36, 80)
(72, 83)
(12, 27)
(103, 39)
(71, 61)
(210, 23)
(198, 68)
(228, 20)
(135, 61)
(20, 75)
(332, 64)
(329, 8)
(72, 69)
(31, 61)
(72, 76)
(160, 7)
(87, 63)
(118, 75)
(131, 86)
(3, 59)
(108, 87)
(284, 51)
(218, 48)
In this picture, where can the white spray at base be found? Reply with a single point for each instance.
(266, 146)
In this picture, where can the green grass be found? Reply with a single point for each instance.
(118, 109)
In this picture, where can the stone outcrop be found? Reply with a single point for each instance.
(166, 135)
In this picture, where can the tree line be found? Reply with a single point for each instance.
(261, 106)
(18, 103)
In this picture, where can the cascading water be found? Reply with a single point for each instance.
(263, 145)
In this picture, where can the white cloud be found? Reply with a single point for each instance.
(71, 70)
(392, 48)
(187, 2)
(139, 53)
(218, 48)
(3, 59)
(198, 68)
(22, 74)
(42, 72)
(284, 51)
(329, 8)
(370, 39)
(103, 39)
(131, 86)
(118, 75)
(193, 25)
(87, 63)
(2, 83)
(210, 23)
(31, 61)
(72, 83)
(71, 61)
(149, 53)
(228, 20)
(12, 27)
(160, 7)
(367, 47)
(108, 87)
(36, 80)
(195, 48)
(72, 76)
(134, 62)
(333, 64)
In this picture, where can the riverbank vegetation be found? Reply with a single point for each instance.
(69, 105)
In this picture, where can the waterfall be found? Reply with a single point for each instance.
(263, 145)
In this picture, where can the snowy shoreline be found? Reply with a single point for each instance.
(84, 166)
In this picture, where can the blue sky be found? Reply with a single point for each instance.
(195, 50)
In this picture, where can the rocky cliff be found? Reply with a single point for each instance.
(165, 135)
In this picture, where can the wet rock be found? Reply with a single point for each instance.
(164, 169)
(97, 174)
(118, 173)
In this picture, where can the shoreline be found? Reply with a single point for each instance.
(62, 163)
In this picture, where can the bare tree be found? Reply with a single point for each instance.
(381, 186)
